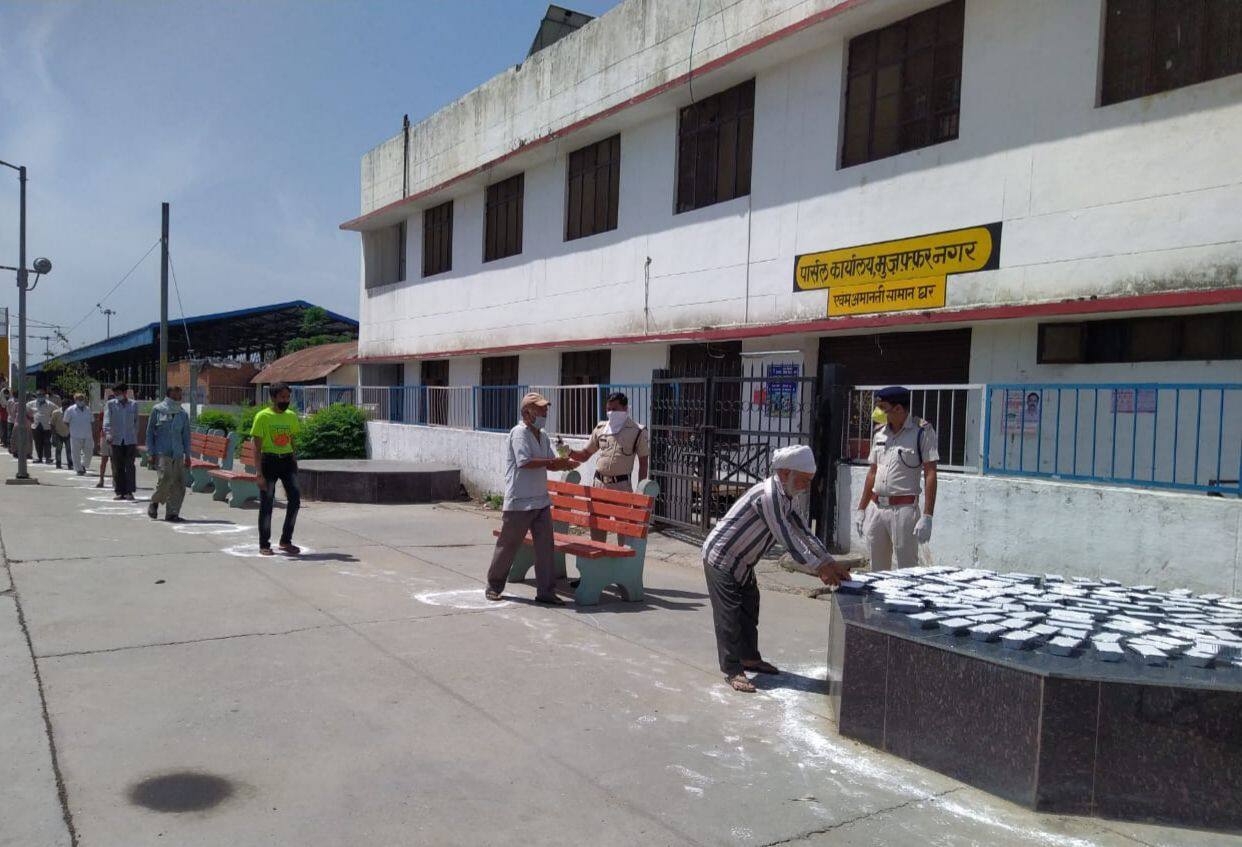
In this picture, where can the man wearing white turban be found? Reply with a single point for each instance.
(761, 517)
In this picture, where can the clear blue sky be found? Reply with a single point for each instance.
(250, 118)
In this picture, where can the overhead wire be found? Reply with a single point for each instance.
(173, 270)
(115, 287)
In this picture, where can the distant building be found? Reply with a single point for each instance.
(253, 335)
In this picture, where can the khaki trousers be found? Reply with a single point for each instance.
(625, 485)
(513, 527)
(889, 530)
(170, 489)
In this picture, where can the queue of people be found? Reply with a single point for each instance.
(67, 429)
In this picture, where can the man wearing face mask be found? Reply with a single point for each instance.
(619, 441)
(120, 433)
(527, 507)
(903, 450)
(40, 410)
(763, 516)
(81, 434)
(275, 432)
(168, 447)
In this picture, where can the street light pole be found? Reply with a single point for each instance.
(42, 266)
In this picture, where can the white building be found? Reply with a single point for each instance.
(637, 196)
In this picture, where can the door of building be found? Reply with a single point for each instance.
(940, 357)
(500, 397)
(433, 374)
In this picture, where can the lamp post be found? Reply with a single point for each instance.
(41, 266)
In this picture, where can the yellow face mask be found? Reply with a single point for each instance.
(878, 416)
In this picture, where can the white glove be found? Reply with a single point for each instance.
(922, 529)
(860, 521)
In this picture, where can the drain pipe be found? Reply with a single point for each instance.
(405, 157)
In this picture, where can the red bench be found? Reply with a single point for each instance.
(600, 563)
(242, 484)
(207, 453)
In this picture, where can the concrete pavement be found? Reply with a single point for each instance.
(367, 694)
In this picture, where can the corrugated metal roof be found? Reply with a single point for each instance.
(307, 365)
(149, 333)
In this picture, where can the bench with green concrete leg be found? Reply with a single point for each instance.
(208, 453)
(238, 486)
(627, 514)
(600, 563)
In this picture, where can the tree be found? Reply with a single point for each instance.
(70, 377)
(312, 331)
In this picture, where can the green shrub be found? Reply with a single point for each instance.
(213, 419)
(338, 431)
(247, 419)
(493, 501)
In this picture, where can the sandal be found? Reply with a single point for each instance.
(739, 682)
(760, 666)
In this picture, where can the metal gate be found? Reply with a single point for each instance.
(712, 437)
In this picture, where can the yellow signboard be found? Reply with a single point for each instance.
(900, 296)
(956, 251)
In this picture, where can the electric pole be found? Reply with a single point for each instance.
(164, 302)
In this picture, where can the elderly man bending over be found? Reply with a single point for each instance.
(761, 517)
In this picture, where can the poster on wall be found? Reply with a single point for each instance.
(782, 394)
(905, 274)
(1023, 411)
(1128, 401)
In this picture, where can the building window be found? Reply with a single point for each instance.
(385, 256)
(502, 231)
(714, 148)
(438, 239)
(904, 86)
(582, 408)
(1158, 339)
(1158, 45)
(594, 185)
(500, 397)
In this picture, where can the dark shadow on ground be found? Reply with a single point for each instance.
(320, 557)
(792, 681)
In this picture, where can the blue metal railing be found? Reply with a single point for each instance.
(1179, 436)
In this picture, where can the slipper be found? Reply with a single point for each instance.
(290, 549)
(493, 595)
(266, 551)
(760, 666)
(739, 682)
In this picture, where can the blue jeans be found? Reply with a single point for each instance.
(284, 469)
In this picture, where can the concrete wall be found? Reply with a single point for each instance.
(480, 455)
(1132, 198)
(1131, 535)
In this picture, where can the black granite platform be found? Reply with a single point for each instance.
(377, 481)
(1064, 734)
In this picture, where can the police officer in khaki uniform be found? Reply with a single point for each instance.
(902, 450)
(618, 440)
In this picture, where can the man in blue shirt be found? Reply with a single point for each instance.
(120, 431)
(168, 446)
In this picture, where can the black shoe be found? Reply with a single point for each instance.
(173, 518)
(550, 600)
(153, 511)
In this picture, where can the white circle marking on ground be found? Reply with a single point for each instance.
(251, 551)
(467, 598)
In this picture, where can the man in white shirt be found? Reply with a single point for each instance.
(81, 434)
(40, 410)
(529, 457)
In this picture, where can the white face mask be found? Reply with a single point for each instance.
(616, 420)
(539, 422)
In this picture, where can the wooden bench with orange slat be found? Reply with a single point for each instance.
(600, 563)
(243, 485)
(207, 453)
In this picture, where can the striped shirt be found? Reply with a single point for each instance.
(761, 517)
